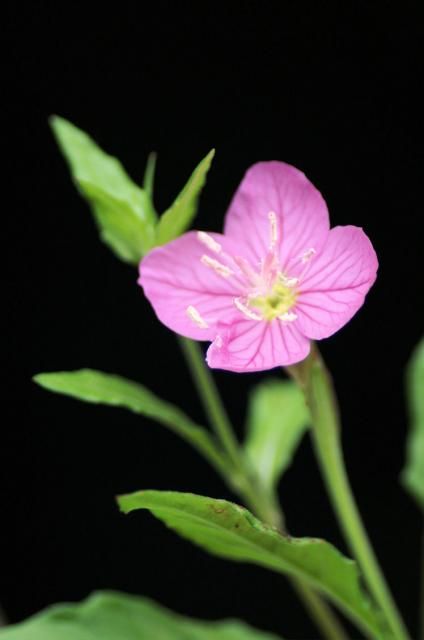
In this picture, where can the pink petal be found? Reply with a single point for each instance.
(247, 345)
(337, 280)
(174, 279)
(302, 215)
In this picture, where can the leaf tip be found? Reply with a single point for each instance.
(52, 119)
(209, 157)
(125, 501)
(40, 379)
(57, 124)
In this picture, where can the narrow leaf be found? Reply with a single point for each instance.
(104, 388)
(413, 474)
(116, 616)
(122, 210)
(277, 419)
(180, 215)
(149, 174)
(229, 531)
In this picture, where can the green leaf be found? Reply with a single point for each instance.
(104, 388)
(180, 215)
(413, 474)
(277, 419)
(231, 532)
(116, 616)
(123, 212)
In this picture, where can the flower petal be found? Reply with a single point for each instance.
(301, 213)
(175, 280)
(246, 345)
(337, 280)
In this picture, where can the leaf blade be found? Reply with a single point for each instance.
(277, 420)
(175, 220)
(229, 531)
(98, 387)
(122, 212)
(113, 616)
(413, 473)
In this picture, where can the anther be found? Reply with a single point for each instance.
(288, 316)
(269, 266)
(246, 311)
(272, 217)
(220, 268)
(209, 242)
(195, 316)
(247, 270)
(218, 342)
(289, 282)
(308, 255)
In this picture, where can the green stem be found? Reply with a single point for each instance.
(265, 506)
(206, 445)
(315, 381)
(210, 397)
(319, 611)
(269, 511)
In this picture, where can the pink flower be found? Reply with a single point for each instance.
(275, 280)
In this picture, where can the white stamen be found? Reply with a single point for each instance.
(272, 217)
(289, 316)
(246, 311)
(289, 282)
(195, 316)
(218, 342)
(247, 270)
(209, 242)
(308, 255)
(269, 266)
(220, 268)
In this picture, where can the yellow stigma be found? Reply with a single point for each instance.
(277, 302)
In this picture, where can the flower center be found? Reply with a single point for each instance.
(276, 302)
(266, 292)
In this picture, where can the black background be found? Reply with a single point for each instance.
(331, 87)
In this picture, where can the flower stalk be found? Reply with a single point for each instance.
(315, 381)
(210, 398)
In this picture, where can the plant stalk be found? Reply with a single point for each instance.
(210, 398)
(315, 381)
